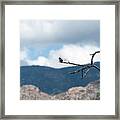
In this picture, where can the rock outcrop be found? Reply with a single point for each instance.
(90, 92)
(30, 92)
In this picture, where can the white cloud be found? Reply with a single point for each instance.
(39, 61)
(72, 53)
(23, 54)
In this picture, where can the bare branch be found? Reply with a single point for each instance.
(93, 56)
(85, 74)
(96, 67)
(77, 71)
(72, 63)
(85, 67)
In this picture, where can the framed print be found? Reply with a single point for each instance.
(60, 59)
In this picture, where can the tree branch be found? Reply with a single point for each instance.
(84, 66)
(72, 63)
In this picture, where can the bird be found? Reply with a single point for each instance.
(60, 60)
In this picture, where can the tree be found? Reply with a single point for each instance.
(85, 68)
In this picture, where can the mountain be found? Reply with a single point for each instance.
(53, 81)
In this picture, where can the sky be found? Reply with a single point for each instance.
(42, 42)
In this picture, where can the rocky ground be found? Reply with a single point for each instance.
(90, 92)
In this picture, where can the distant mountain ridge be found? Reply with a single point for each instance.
(54, 81)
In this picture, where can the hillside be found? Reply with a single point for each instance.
(90, 92)
(53, 81)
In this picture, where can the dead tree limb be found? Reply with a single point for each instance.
(93, 56)
(85, 68)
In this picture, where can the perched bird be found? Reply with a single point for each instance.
(60, 60)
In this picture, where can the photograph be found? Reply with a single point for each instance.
(59, 59)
